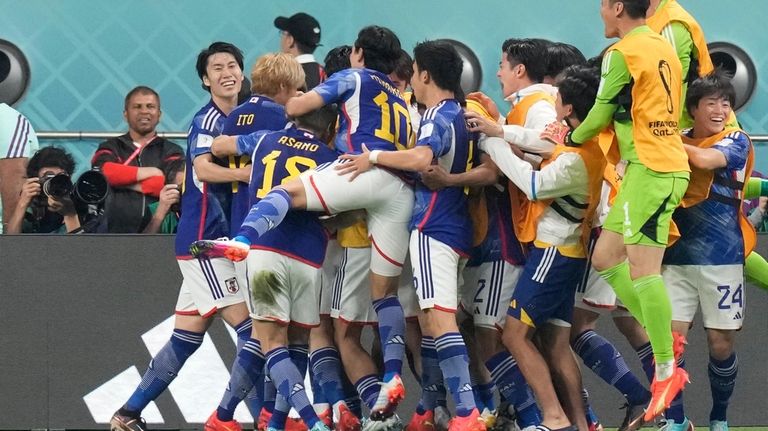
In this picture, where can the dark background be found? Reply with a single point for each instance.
(73, 310)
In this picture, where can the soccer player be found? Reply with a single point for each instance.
(18, 141)
(374, 113)
(286, 262)
(210, 286)
(563, 194)
(706, 265)
(441, 228)
(629, 251)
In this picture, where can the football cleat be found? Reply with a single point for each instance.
(126, 423)
(422, 422)
(345, 419)
(215, 424)
(685, 425)
(633, 417)
(235, 251)
(663, 392)
(472, 422)
(391, 394)
(391, 423)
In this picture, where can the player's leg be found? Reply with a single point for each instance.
(566, 375)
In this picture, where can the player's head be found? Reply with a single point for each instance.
(523, 62)
(220, 68)
(403, 72)
(142, 110)
(437, 64)
(321, 121)
(710, 101)
(278, 76)
(577, 88)
(50, 160)
(337, 59)
(376, 48)
(559, 56)
(614, 11)
(299, 33)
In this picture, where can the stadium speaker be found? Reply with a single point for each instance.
(14, 73)
(472, 75)
(739, 66)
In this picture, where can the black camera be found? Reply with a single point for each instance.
(91, 187)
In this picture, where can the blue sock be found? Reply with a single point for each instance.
(645, 353)
(368, 388)
(265, 215)
(484, 395)
(299, 354)
(318, 397)
(431, 375)
(270, 393)
(279, 412)
(722, 379)
(326, 367)
(676, 412)
(290, 384)
(454, 363)
(163, 368)
(391, 331)
(513, 387)
(245, 374)
(351, 397)
(245, 240)
(604, 360)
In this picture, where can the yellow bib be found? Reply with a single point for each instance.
(672, 11)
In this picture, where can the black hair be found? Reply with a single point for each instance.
(577, 86)
(381, 48)
(173, 167)
(716, 84)
(141, 89)
(443, 63)
(561, 55)
(50, 157)
(531, 53)
(215, 48)
(635, 9)
(337, 59)
(304, 48)
(321, 121)
(404, 66)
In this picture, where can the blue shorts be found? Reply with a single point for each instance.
(546, 289)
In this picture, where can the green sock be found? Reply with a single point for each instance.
(621, 282)
(655, 302)
(756, 187)
(756, 270)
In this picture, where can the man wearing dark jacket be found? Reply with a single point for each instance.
(300, 36)
(135, 163)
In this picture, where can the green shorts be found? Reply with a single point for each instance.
(643, 208)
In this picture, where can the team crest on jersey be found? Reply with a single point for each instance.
(231, 285)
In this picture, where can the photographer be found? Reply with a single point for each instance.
(37, 212)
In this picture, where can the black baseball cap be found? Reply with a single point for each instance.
(303, 27)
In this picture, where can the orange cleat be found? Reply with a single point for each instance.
(390, 395)
(215, 424)
(473, 422)
(422, 422)
(347, 421)
(663, 392)
(235, 251)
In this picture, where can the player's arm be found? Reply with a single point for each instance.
(12, 174)
(333, 90)
(564, 176)
(485, 174)
(731, 152)
(307, 102)
(206, 169)
(415, 159)
(705, 158)
(678, 35)
(614, 77)
(756, 187)
(224, 145)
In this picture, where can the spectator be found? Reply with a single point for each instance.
(134, 163)
(165, 212)
(17, 141)
(300, 36)
(38, 211)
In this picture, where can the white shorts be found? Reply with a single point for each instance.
(295, 299)
(330, 266)
(718, 288)
(488, 291)
(437, 272)
(208, 285)
(387, 199)
(407, 294)
(596, 295)
(351, 300)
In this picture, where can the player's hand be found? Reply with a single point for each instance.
(478, 123)
(355, 164)
(487, 103)
(555, 132)
(169, 196)
(29, 190)
(435, 177)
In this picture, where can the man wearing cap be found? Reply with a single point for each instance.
(300, 36)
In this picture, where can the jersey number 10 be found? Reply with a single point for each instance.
(388, 131)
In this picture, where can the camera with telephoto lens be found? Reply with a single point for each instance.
(90, 188)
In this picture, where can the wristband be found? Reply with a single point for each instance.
(373, 156)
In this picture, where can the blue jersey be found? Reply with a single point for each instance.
(443, 214)
(371, 111)
(204, 206)
(279, 157)
(500, 242)
(258, 113)
(710, 233)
